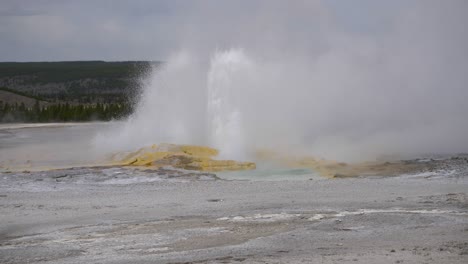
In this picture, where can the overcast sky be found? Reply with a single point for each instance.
(50, 30)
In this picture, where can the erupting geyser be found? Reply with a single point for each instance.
(225, 119)
(184, 105)
(316, 89)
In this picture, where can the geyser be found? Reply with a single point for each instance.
(225, 118)
(186, 105)
(319, 89)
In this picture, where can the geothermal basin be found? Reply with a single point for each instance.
(85, 212)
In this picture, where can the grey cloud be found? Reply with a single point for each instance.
(140, 29)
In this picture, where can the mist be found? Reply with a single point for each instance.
(289, 76)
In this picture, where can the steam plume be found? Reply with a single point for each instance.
(285, 75)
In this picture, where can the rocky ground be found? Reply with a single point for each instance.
(127, 215)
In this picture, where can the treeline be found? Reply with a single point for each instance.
(77, 81)
(62, 112)
(64, 71)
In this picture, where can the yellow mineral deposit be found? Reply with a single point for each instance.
(180, 156)
(335, 169)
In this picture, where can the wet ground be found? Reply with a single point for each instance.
(127, 215)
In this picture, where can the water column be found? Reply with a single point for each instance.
(226, 81)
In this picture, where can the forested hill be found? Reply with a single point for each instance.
(69, 91)
(75, 81)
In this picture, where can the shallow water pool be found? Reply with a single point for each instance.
(270, 173)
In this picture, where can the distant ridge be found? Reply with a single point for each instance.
(13, 97)
(77, 81)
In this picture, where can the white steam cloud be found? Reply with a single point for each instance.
(283, 75)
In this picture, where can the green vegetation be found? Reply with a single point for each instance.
(69, 90)
(53, 72)
(77, 81)
(62, 112)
